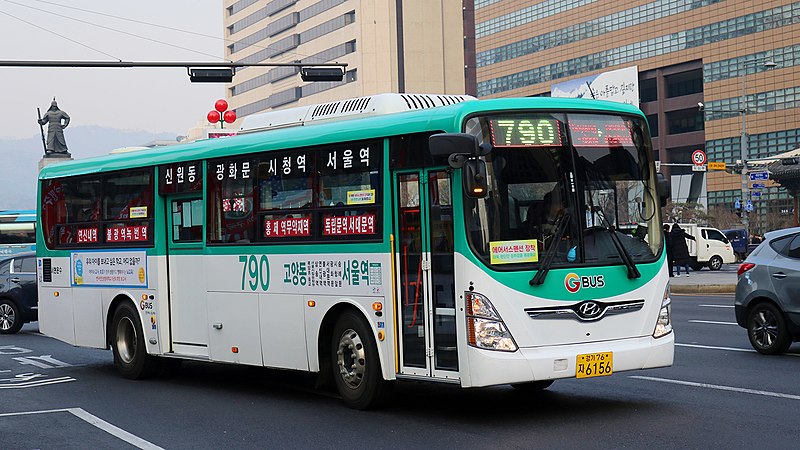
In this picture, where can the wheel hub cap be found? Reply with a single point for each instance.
(351, 358)
(7, 317)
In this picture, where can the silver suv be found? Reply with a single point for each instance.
(768, 292)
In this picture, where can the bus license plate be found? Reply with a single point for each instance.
(590, 365)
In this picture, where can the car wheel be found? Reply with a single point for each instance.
(715, 263)
(10, 317)
(128, 344)
(767, 330)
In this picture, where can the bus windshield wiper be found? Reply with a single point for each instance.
(633, 271)
(547, 261)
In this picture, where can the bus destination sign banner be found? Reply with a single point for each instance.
(180, 177)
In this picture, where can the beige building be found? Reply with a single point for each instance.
(686, 52)
(413, 46)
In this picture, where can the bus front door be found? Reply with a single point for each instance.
(425, 275)
(187, 291)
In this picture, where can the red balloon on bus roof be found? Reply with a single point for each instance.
(213, 116)
(221, 105)
(230, 116)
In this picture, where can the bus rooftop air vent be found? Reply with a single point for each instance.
(373, 105)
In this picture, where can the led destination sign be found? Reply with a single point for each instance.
(522, 131)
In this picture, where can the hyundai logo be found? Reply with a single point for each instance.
(589, 310)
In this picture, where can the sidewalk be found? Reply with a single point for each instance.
(705, 281)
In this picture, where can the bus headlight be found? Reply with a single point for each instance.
(485, 328)
(664, 322)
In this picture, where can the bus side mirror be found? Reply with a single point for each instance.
(475, 180)
(458, 147)
(662, 188)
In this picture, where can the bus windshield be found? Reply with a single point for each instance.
(17, 231)
(585, 177)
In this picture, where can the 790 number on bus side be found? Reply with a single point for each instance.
(255, 272)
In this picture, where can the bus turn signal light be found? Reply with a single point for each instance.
(311, 303)
(377, 306)
(235, 349)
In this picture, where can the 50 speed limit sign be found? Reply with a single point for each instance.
(699, 157)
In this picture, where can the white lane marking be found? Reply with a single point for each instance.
(716, 306)
(713, 322)
(37, 383)
(113, 430)
(710, 347)
(80, 413)
(720, 387)
(732, 349)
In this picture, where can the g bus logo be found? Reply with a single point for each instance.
(574, 283)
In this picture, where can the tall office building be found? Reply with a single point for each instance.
(413, 46)
(718, 52)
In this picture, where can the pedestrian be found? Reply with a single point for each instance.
(668, 248)
(680, 251)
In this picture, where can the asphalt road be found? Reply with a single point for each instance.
(719, 394)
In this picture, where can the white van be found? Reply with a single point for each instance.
(710, 248)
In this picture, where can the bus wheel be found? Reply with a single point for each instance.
(356, 367)
(10, 317)
(128, 344)
(533, 386)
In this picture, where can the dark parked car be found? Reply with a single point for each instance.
(19, 301)
(768, 292)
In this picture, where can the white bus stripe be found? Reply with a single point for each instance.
(713, 322)
(716, 306)
(720, 387)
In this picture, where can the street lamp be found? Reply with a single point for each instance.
(743, 112)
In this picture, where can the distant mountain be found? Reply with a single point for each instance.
(19, 158)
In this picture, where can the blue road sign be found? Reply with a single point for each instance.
(759, 185)
(749, 206)
(737, 204)
(759, 176)
(755, 194)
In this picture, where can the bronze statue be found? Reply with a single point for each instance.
(56, 121)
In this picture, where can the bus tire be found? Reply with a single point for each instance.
(11, 319)
(355, 363)
(128, 344)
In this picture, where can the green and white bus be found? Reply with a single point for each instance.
(373, 240)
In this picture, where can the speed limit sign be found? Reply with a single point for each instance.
(699, 157)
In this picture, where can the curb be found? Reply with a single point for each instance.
(703, 288)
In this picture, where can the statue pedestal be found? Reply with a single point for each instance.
(54, 158)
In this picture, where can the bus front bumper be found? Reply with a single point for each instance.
(488, 368)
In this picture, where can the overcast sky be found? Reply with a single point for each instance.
(155, 100)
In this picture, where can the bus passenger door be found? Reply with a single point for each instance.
(187, 291)
(425, 275)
